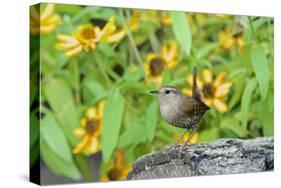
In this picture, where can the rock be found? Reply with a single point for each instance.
(224, 156)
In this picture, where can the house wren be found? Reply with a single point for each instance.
(181, 110)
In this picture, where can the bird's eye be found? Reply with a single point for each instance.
(167, 91)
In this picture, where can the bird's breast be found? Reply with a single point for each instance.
(169, 113)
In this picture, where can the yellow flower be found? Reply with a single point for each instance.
(193, 140)
(86, 38)
(163, 17)
(214, 90)
(118, 169)
(88, 35)
(228, 40)
(134, 20)
(195, 18)
(155, 64)
(90, 131)
(45, 21)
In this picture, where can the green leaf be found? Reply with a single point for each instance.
(68, 9)
(59, 96)
(163, 136)
(57, 164)
(53, 136)
(112, 118)
(151, 119)
(135, 134)
(260, 65)
(209, 135)
(238, 91)
(93, 90)
(234, 126)
(181, 30)
(83, 166)
(246, 99)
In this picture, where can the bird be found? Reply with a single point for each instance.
(181, 110)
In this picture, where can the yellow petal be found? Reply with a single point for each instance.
(240, 43)
(150, 56)
(79, 132)
(83, 122)
(94, 145)
(134, 21)
(208, 101)
(207, 75)
(67, 42)
(169, 51)
(91, 113)
(74, 51)
(68, 45)
(48, 11)
(188, 92)
(120, 161)
(52, 20)
(166, 20)
(65, 38)
(219, 79)
(46, 29)
(194, 139)
(172, 64)
(110, 27)
(223, 89)
(115, 37)
(101, 108)
(104, 178)
(220, 105)
(189, 80)
(80, 147)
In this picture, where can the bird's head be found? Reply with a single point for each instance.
(167, 94)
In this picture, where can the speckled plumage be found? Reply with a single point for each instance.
(181, 110)
(185, 113)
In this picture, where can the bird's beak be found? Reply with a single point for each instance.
(154, 92)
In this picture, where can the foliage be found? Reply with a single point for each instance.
(113, 66)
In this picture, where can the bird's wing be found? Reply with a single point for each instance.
(191, 106)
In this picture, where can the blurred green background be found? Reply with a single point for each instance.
(95, 66)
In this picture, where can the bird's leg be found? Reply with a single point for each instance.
(179, 139)
(190, 136)
(193, 131)
(177, 142)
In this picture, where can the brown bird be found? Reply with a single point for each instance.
(181, 110)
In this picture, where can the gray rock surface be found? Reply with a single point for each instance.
(224, 156)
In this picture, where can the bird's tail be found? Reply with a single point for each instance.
(196, 94)
(195, 91)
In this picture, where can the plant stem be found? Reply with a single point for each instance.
(131, 40)
(93, 55)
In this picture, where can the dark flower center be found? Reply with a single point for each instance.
(91, 126)
(157, 66)
(114, 174)
(208, 90)
(88, 33)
